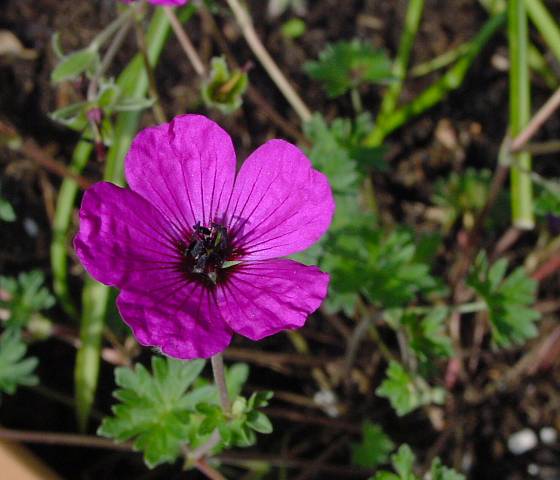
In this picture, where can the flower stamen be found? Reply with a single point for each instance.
(207, 251)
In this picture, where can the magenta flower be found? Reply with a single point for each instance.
(194, 248)
(169, 3)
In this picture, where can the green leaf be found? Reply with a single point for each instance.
(7, 213)
(374, 449)
(427, 336)
(73, 116)
(26, 296)
(152, 410)
(259, 399)
(548, 200)
(293, 28)
(236, 376)
(15, 369)
(74, 64)
(364, 259)
(345, 65)
(224, 89)
(132, 104)
(406, 393)
(259, 422)
(463, 195)
(403, 463)
(441, 472)
(509, 300)
(337, 152)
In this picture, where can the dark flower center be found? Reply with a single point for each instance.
(207, 251)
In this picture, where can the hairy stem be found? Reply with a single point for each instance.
(220, 380)
(248, 30)
(108, 58)
(185, 42)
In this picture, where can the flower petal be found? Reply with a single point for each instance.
(280, 205)
(182, 320)
(124, 241)
(184, 168)
(262, 298)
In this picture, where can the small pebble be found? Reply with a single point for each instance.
(522, 441)
(30, 227)
(548, 435)
(533, 469)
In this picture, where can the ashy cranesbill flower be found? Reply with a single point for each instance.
(194, 247)
(169, 3)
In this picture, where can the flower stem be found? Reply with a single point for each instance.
(248, 30)
(108, 58)
(220, 380)
(185, 42)
(209, 471)
(111, 29)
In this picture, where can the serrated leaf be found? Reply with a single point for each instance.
(441, 472)
(15, 369)
(26, 297)
(406, 393)
(496, 273)
(374, 448)
(427, 335)
(508, 299)
(345, 65)
(74, 64)
(403, 463)
(152, 412)
(548, 199)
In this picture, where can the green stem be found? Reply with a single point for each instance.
(450, 81)
(520, 112)
(440, 61)
(61, 225)
(536, 59)
(472, 307)
(95, 298)
(411, 24)
(546, 25)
